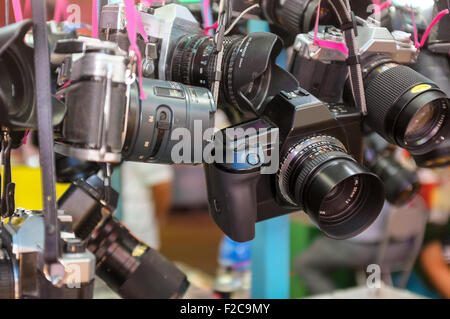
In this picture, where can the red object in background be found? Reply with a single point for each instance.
(85, 6)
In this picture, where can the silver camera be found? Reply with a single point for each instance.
(163, 25)
(22, 269)
(95, 73)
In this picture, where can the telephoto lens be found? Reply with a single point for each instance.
(413, 112)
(401, 184)
(170, 109)
(250, 75)
(126, 264)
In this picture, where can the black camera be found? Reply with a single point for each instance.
(318, 171)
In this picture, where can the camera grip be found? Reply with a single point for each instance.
(232, 201)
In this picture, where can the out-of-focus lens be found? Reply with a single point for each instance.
(170, 107)
(250, 74)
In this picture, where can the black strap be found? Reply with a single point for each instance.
(350, 24)
(52, 250)
(7, 205)
(353, 60)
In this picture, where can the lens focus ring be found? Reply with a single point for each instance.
(391, 85)
(294, 158)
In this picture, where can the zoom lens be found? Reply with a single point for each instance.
(126, 264)
(169, 108)
(250, 75)
(133, 269)
(339, 195)
(414, 112)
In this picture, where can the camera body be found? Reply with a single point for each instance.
(164, 26)
(323, 71)
(95, 95)
(311, 134)
(22, 262)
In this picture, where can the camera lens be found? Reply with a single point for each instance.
(132, 268)
(339, 195)
(169, 107)
(297, 16)
(414, 112)
(400, 183)
(249, 72)
(439, 157)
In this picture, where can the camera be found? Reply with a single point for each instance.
(22, 267)
(319, 172)
(401, 183)
(178, 50)
(414, 113)
(106, 121)
(127, 265)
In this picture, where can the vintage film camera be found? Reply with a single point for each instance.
(414, 112)
(178, 50)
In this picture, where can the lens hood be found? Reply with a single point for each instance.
(18, 60)
(255, 76)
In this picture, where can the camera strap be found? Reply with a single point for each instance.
(348, 26)
(52, 250)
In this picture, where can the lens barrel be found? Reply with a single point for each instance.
(413, 113)
(400, 183)
(126, 264)
(133, 269)
(250, 75)
(297, 16)
(169, 108)
(339, 195)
